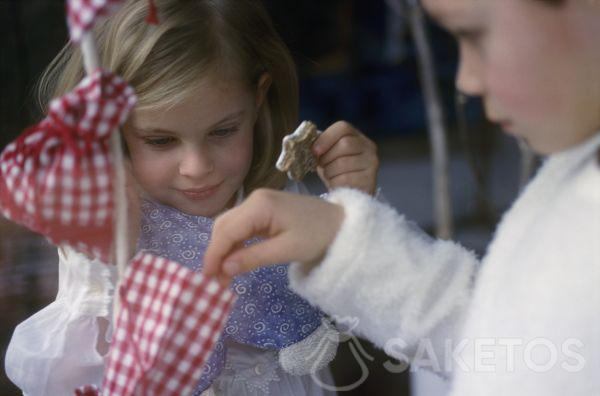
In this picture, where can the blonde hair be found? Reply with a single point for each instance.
(163, 64)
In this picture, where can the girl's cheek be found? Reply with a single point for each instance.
(243, 146)
(242, 155)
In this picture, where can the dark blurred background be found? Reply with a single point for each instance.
(357, 62)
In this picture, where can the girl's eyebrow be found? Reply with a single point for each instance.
(233, 116)
(230, 117)
(142, 131)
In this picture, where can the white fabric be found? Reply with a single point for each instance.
(54, 351)
(253, 372)
(313, 353)
(534, 299)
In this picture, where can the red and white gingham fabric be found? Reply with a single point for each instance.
(82, 14)
(56, 177)
(169, 321)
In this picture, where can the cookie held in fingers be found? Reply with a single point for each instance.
(297, 158)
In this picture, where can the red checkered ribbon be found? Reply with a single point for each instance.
(169, 321)
(82, 14)
(56, 177)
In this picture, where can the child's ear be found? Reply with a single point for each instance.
(262, 88)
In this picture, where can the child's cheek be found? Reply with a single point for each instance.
(521, 94)
(152, 171)
(238, 156)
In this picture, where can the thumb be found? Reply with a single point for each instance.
(321, 173)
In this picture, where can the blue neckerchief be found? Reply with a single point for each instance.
(267, 314)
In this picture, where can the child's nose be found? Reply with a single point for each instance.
(196, 163)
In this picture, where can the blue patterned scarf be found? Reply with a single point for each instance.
(266, 315)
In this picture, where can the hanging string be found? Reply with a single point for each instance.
(92, 63)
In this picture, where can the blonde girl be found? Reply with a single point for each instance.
(216, 91)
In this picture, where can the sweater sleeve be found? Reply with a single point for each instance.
(400, 286)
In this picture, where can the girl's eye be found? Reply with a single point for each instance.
(159, 142)
(224, 132)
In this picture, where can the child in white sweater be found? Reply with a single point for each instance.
(525, 320)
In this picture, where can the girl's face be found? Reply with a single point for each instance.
(535, 66)
(195, 156)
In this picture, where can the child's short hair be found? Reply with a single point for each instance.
(234, 38)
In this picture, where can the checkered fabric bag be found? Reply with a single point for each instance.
(82, 14)
(56, 177)
(169, 321)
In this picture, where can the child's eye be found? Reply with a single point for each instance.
(159, 142)
(224, 132)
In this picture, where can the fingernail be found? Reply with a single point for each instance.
(317, 150)
(231, 268)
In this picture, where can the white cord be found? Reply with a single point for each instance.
(92, 63)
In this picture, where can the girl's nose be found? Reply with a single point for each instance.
(469, 79)
(195, 163)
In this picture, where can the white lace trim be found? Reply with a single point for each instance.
(86, 284)
(313, 353)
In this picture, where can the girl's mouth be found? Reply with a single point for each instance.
(200, 193)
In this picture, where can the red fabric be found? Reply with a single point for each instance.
(56, 177)
(82, 14)
(152, 17)
(169, 321)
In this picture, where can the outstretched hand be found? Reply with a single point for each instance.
(295, 228)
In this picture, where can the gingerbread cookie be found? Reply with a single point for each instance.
(296, 156)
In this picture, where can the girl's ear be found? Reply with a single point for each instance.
(264, 83)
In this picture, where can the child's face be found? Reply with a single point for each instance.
(195, 156)
(535, 66)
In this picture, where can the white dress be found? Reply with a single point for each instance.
(252, 372)
(55, 351)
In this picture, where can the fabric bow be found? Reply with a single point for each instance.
(169, 321)
(56, 177)
(82, 14)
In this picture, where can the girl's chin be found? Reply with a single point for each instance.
(202, 210)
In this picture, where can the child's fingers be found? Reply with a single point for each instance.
(275, 250)
(330, 136)
(345, 146)
(230, 229)
(297, 228)
(347, 164)
(357, 180)
(252, 218)
(224, 280)
(321, 173)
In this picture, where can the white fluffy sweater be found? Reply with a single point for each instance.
(523, 321)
